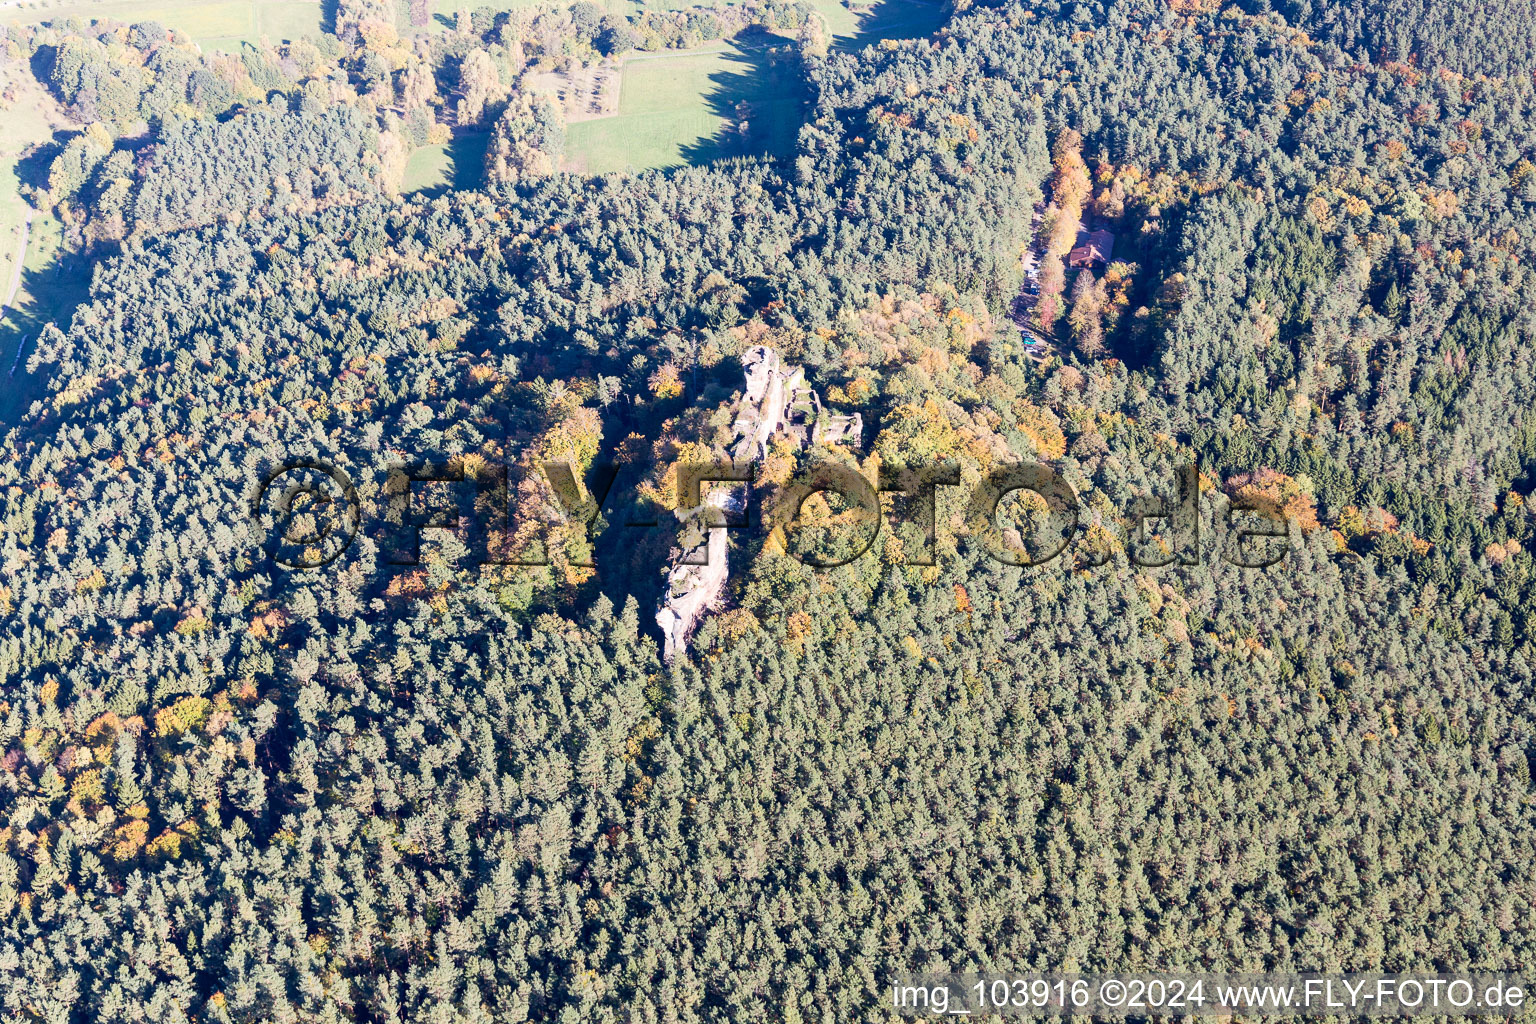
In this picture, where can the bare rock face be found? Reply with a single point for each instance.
(693, 589)
(760, 410)
(774, 401)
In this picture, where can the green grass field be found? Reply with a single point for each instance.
(672, 109)
(24, 124)
(842, 21)
(458, 165)
(47, 291)
(679, 108)
(222, 24)
(53, 282)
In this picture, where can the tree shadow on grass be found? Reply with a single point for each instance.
(52, 293)
(894, 19)
(761, 99)
(467, 151)
(32, 166)
(466, 164)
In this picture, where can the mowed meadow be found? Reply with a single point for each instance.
(219, 24)
(728, 99)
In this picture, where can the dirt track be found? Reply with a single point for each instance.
(21, 261)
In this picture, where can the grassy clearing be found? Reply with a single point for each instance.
(48, 290)
(840, 19)
(682, 108)
(53, 282)
(29, 120)
(888, 19)
(429, 167)
(222, 24)
(458, 165)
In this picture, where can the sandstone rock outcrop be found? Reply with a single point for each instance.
(775, 400)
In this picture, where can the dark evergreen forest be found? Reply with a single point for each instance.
(464, 792)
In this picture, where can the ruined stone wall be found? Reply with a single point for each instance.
(763, 412)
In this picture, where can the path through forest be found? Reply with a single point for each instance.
(1022, 309)
(21, 261)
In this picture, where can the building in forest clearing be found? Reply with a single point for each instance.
(1092, 252)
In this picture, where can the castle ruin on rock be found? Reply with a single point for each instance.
(775, 401)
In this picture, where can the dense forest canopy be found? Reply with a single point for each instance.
(456, 791)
